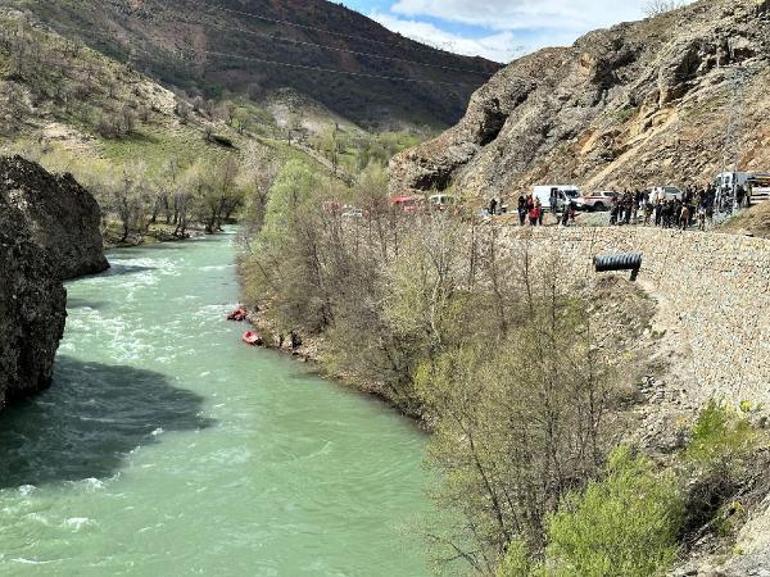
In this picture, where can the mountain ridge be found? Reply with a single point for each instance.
(335, 55)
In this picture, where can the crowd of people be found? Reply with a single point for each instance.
(531, 211)
(693, 206)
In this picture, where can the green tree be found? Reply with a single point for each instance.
(625, 525)
(519, 422)
(287, 263)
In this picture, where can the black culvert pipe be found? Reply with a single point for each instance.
(618, 262)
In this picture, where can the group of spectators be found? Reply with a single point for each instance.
(531, 211)
(693, 206)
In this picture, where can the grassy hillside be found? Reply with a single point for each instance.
(149, 156)
(156, 158)
(63, 98)
(255, 49)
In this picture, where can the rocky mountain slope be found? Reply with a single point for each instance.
(79, 108)
(257, 47)
(645, 103)
(62, 217)
(32, 309)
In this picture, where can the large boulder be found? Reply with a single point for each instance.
(62, 216)
(32, 309)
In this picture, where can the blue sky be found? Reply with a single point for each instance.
(497, 29)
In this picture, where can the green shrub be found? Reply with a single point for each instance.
(718, 455)
(625, 525)
(722, 438)
(517, 562)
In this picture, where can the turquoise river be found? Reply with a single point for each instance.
(166, 448)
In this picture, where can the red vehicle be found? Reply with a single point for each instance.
(406, 203)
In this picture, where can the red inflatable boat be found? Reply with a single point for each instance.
(252, 338)
(237, 315)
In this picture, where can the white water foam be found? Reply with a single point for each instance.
(27, 490)
(77, 523)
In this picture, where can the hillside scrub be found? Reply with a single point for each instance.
(431, 313)
(637, 518)
(623, 525)
(719, 462)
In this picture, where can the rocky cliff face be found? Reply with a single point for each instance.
(32, 309)
(640, 104)
(62, 217)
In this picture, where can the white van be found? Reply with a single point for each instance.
(566, 193)
(727, 180)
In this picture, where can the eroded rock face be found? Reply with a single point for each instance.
(32, 309)
(62, 217)
(639, 104)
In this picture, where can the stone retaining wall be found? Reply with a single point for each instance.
(714, 290)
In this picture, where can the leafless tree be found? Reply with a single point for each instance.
(658, 7)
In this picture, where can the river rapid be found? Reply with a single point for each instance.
(166, 448)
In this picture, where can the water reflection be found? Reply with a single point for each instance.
(84, 426)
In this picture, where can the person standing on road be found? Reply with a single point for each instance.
(614, 211)
(740, 195)
(554, 200)
(493, 207)
(702, 217)
(534, 214)
(522, 209)
(684, 217)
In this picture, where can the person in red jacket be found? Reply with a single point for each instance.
(534, 214)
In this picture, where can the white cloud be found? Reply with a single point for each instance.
(503, 29)
(525, 14)
(499, 45)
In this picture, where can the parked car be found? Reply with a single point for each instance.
(353, 213)
(596, 200)
(406, 203)
(442, 201)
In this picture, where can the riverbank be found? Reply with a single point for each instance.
(156, 233)
(310, 351)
